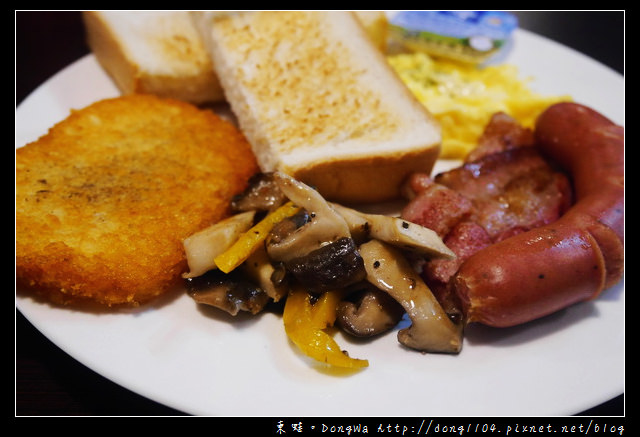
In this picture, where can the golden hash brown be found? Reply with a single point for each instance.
(106, 197)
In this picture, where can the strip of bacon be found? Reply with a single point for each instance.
(504, 188)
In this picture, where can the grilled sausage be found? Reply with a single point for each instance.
(541, 271)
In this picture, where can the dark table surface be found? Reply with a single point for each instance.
(48, 382)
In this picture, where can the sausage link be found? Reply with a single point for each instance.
(541, 271)
(591, 149)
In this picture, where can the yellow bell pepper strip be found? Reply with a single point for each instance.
(250, 240)
(305, 322)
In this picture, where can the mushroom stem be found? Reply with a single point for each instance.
(259, 268)
(396, 231)
(321, 253)
(204, 246)
(431, 329)
(326, 221)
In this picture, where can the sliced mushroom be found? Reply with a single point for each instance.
(262, 194)
(318, 250)
(333, 266)
(431, 329)
(282, 230)
(368, 312)
(325, 224)
(259, 268)
(396, 231)
(202, 247)
(228, 292)
(359, 225)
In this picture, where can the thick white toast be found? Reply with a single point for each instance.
(153, 52)
(317, 100)
(160, 52)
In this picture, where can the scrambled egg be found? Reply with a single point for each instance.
(463, 97)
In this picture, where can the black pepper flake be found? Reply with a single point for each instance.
(376, 264)
(541, 276)
(405, 225)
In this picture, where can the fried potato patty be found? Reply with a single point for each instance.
(106, 197)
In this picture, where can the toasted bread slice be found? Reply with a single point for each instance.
(105, 199)
(155, 52)
(161, 53)
(318, 101)
(376, 24)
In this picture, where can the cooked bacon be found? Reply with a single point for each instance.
(504, 188)
(513, 189)
(501, 133)
(415, 184)
(435, 206)
(465, 239)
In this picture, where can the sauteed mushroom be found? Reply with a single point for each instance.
(262, 194)
(333, 266)
(319, 252)
(316, 244)
(202, 247)
(431, 329)
(368, 312)
(395, 231)
(325, 224)
(229, 292)
(259, 268)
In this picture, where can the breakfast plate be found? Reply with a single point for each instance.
(203, 362)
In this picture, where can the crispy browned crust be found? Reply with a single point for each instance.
(356, 180)
(104, 200)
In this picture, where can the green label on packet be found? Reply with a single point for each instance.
(470, 36)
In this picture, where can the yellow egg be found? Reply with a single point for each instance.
(463, 97)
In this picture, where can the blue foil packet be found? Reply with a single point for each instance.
(470, 36)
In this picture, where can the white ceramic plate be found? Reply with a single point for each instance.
(202, 362)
